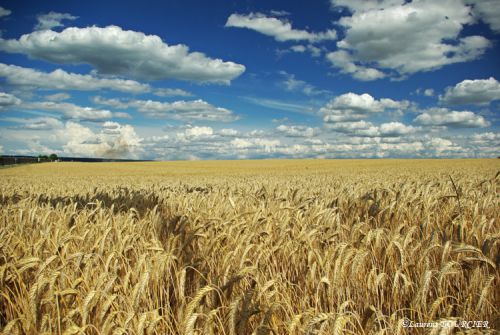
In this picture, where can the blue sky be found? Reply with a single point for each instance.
(250, 79)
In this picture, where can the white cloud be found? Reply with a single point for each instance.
(490, 137)
(199, 132)
(429, 92)
(280, 105)
(70, 111)
(38, 123)
(171, 92)
(279, 28)
(479, 91)
(448, 118)
(343, 60)
(488, 11)
(4, 12)
(268, 145)
(405, 37)
(8, 100)
(195, 110)
(348, 112)
(123, 52)
(443, 147)
(298, 48)
(52, 20)
(279, 12)
(313, 50)
(365, 5)
(395, 129)
(293, 84)
(58, 97)
(354, 107)
(62, 80)
(228, 132)
(115, 103)
(409, 148)
(112, 141)
(122, 115)
(296, 131)
(357, 128)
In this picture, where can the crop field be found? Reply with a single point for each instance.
(251, 247)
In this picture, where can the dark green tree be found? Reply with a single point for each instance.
(53, 157)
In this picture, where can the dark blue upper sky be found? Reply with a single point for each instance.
(246, 79)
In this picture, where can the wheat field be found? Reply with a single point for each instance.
(250, 247)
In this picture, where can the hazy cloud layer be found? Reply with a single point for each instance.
(193, 110)
(62, 80)
(71, 111)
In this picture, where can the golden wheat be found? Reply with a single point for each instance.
(249, 247)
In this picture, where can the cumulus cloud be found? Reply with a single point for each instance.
(365, 5)
(296, 131)
(357, 128)
(4, 12)
(443, 147)
(298, 48)
(52, 20)
(62, 80)
(479, 91)
(488, 11)
(429, 92)
(348, 112)
(350, 107)
(199, 132)
(343, 60)
(123, 52)
(405, 37)
(448, 118)
(312, 49)
(8, 100)
(112, 141)
(279, 28)
(113, 102)
(395, 129)
(486, 138)
(357, 139)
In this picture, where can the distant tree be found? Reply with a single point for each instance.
(53, 157)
